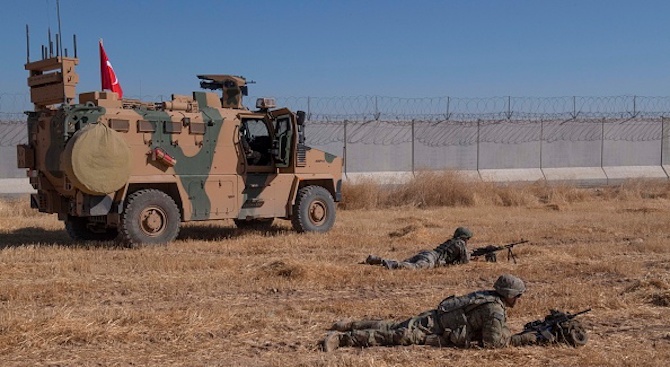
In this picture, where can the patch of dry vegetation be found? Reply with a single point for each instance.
(446, 188)
(219, 296)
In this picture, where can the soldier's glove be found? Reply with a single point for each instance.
(525, 339)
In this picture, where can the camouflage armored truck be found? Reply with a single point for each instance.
(120, 168)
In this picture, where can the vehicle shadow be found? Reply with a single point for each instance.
(216, 233)
(36, 236)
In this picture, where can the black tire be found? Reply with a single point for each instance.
(150, 217)
(260, 224)
(79, 229)
(314, 210)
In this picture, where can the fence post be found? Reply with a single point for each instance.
(448, 103)
(509, 107)
(344, 149)
(478, 123)
(602, 143)
(541, 140)
(662, 138)
(413, 147)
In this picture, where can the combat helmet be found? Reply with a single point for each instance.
(462, 232)
(509, 286)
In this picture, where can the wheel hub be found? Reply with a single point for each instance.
(153, 221)
(317, 212)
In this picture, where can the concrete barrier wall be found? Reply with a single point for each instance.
(583, 152)
(378, 146)
(445, 145)
(8, 164)
(590, 152)
(632, 143)
(571, 144)
(509, 145)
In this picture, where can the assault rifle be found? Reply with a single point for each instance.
(558, 327)
(489, 252)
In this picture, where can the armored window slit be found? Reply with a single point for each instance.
(172, 127)
(144, 126)
(196, 128)
(119, 125)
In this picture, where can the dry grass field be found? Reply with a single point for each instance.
(222, 297)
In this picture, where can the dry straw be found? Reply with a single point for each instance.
(219, 296)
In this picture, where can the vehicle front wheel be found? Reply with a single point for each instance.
(314, 210)
(150, 217)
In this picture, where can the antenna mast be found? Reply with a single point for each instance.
(58, 37)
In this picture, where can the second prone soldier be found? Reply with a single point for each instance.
(451, 252)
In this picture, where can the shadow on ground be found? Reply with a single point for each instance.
(34, 236)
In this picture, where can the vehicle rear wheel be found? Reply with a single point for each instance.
(314, 210)
(259, 224)
(79, 229)
(150, 217)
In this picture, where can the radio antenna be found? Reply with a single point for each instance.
(58, 39)
(27, 45)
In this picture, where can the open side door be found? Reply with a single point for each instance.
(282, 145)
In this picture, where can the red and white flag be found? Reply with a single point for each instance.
(107, 74)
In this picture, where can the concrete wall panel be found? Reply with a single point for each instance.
(8, 163)
(512, 175)
(509, 145)
(445, 145)
(571, 144)
(328, 137)
(632, 143)
(583, 176)
(665, 141)
(378, 146)
(16, 186)
(616, 175)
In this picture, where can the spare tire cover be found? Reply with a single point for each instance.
(97, 160)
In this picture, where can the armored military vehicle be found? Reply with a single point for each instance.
(133, 170)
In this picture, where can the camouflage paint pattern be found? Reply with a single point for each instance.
(205, 170)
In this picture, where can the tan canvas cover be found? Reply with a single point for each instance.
(97, 160)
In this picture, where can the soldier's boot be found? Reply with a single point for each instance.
(331, 342)
(348, 325)
(373, 260)
(390, 264)
(342, 325)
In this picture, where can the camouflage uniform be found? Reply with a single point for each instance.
(479, 317)
(451, 252)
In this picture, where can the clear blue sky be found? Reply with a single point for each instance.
(466, 48)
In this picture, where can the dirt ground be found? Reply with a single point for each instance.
(223, 297)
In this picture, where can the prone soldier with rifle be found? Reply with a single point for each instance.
(454, 251)
(475, 319)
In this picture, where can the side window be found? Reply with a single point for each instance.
(256, 142)
(283, 135)
(281, 126)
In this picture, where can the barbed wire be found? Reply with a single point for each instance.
(440, 121)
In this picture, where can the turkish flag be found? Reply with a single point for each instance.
(107, 74)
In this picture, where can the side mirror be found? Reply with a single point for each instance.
(301, 117)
